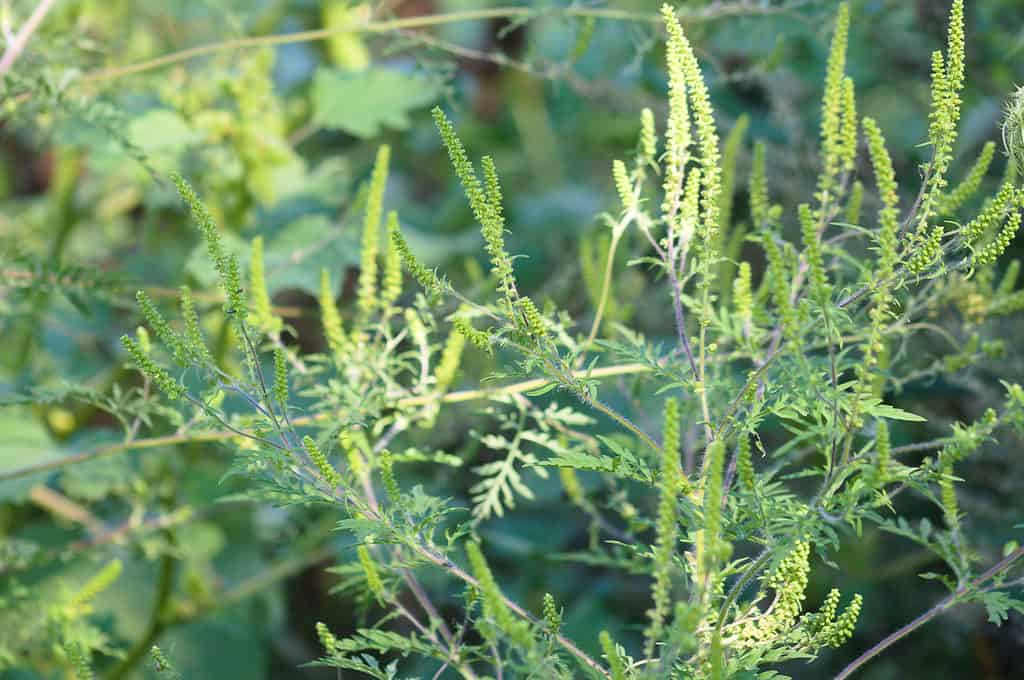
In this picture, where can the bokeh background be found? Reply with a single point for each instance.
(278, 140)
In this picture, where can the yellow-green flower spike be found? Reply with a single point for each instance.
(883, 453)
(779, 287)
(387, 475)
(391, 288)
(851, 214)
(616, 665)
(990, 215)
(713, 490)
(487, 213)
(677, 132)
(428, 279)
(280, 378)
(667, 527)
(990, 253)
(493, 601)
(947, 492)
(623, 185)
(145, 344)
(373, 580)
(832, 102)
(842, 629)
(480, 339)
(262, 316)
(956, 51)
(366, 299)
(552, 614)
(940, 123)
(730, 153)
(171, 340)
(571, 485)
(225, 264)
(330, 319)
(451, 356)
(813, 254)
(326, 637)
(742, 295)
(679, 48)
(353, 445)
(532, 322)
(648, 139)
(968, 187)
(162, 664)
(928, 252)
(168, 385)
(493, 187)
(789, 581)
(97, 584)
(848, 127)
(745, 465)
(327, 471)
(760, 206)
(195, 343)
(79, 661)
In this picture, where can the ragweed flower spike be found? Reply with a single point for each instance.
(432, 285)
(97, 584)
(280, 378)
(679, 48)
(367, 297)
(226, 264)
(813, 254)
(648, 139)
(967, 187)
(326, 637)
(667, 528)
(168, 385)
(263, 316)
(883, 453)
(163, 330)
(451, 356)
(617, 666)
(495, 608)
(391, 288)
(485, 203)
(334, 332)
(832, 128)
(195, 343)
(373, 580)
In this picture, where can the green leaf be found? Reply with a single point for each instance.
(161, 130)
(999, 604)
(544, 389)
(880, 410)
(25, 442)
(363, 103)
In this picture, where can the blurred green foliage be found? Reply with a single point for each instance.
(279, 140)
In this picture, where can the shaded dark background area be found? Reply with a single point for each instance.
(84, 202)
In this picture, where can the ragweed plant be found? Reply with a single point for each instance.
(725, 519)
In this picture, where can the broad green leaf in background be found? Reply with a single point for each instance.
(25, 442)
(363, 103)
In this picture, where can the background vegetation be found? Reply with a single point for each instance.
(275, 111)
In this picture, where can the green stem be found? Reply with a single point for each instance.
(605, 288)
(385, 26)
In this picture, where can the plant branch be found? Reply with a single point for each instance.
(945, 604)
(21, 38)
